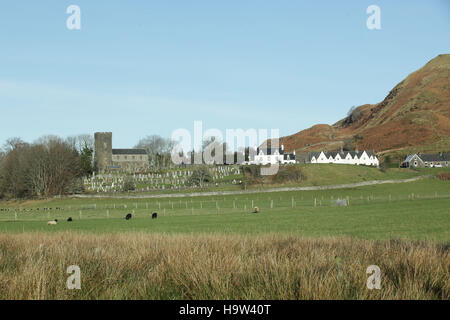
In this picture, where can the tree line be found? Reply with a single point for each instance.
(47, 167)
(55, 166)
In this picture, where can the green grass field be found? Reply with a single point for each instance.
(415, 210)
(301, 245)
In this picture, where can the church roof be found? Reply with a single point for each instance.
(129, 151)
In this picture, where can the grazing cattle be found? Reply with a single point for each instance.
(52, 223)
(70, 219)
(154, 215)
(128, 216)
(255, 210)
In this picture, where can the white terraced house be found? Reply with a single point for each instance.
(265, 156)
(367, 158)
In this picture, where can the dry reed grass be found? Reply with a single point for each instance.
(159, 266)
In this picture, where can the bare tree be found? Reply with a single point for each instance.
(158, 150)
(13, 143)
(353, 115)
(200, 176)
(48, 167)
(81, 142)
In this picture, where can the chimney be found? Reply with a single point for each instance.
(342, 149)
(282, 147)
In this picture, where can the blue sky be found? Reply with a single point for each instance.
(149, 67)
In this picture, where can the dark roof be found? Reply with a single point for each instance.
(289, 156)
(435, 157)
(269, 151)
(129, 151)
(343, 154)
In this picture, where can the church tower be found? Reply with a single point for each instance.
(103, 150)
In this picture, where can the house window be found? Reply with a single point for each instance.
(415, 163)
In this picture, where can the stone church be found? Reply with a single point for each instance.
(108, 159)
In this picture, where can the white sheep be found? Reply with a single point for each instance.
(53, 222)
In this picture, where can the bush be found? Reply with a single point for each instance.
(444, 176)
(288, 174)
(353, 115)
(252, 174)
(200, 176)
(129, 184)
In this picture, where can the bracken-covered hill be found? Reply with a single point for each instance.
(414, 116)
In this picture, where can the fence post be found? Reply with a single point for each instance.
(107, 214)
(80, 214)
(315, 202)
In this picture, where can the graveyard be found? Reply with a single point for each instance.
(166, 180)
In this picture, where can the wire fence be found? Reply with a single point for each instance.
(218, 205)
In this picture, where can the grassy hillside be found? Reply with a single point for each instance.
(329, 174)
(415, 114)
(314, 175)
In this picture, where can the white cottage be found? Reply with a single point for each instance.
(265, 156)
(367, 158)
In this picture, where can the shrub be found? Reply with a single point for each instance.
(289, 174)
(129, 184)
(199, 176)
(353, 115)
(444, 176)
(251, 174)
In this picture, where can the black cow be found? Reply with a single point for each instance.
(154, 215)
(128, 216)
(70, 219)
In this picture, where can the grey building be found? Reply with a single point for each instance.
(426, 160)
(108, 159)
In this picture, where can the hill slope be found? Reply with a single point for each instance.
(414, 116)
